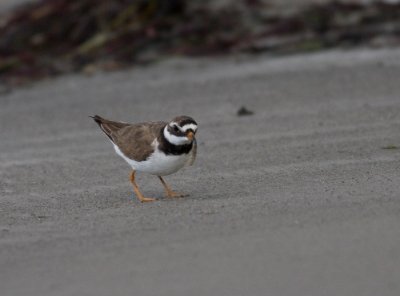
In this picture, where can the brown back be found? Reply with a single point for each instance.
(134, 140)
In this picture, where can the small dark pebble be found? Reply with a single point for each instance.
(40, 217)
(243, 111)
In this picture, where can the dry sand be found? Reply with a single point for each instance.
(299, 199)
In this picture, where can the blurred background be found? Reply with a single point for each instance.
(295, 188)
(51, 37)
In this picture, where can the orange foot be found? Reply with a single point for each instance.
(173, 194)
(146, 199)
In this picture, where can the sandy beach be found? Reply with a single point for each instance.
(302, 198)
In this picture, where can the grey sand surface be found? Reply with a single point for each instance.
(298, 199)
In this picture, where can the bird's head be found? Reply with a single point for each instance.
(181, 130)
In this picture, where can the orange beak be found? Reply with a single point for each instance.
(190, 135)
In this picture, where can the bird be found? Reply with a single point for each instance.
(158, 148)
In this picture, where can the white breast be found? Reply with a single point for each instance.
(158, 163)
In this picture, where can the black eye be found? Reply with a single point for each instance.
(176, 129)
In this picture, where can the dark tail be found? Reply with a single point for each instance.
(97, 119)
(100, 120)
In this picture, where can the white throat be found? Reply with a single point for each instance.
(174, 139)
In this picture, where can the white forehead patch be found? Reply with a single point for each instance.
(186, 127)
(191, 126)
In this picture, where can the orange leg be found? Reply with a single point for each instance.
(136, 189)
(169, 191)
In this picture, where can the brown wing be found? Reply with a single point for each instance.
(134, 140)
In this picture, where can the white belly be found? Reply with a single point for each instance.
(158, 163)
